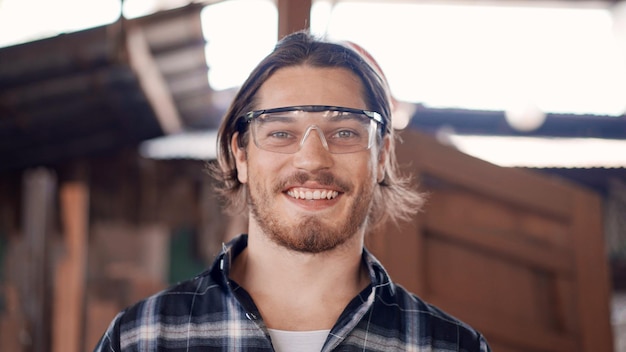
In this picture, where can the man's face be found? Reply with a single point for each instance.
(341, 185)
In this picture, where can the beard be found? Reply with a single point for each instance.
(310, 234)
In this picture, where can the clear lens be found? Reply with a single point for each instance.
(339, 132)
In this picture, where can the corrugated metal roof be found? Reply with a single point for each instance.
(96, 90)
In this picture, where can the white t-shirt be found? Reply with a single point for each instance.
(300, 341)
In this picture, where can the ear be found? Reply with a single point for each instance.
(241, 161)
(383, 154)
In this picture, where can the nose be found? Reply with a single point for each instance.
(313, 153)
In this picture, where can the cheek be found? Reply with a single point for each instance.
(264, 169)
(360, 170)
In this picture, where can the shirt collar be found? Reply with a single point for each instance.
(230, 250)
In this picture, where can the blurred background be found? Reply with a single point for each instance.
(512, 113)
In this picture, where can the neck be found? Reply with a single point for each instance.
(316, 285)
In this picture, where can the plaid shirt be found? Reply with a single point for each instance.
(211, 313)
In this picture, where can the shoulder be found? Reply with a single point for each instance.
(203, 300)
(415, 322)
(206, 292)
(423, 321)
(179, 300)
(162, 315)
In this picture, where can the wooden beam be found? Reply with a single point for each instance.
(593, 281)
(38, 205)
(521, 188)
(293, 15)
(152, 81)
(70, 282)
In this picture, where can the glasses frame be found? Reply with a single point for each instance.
(317, 108)
(372, 115)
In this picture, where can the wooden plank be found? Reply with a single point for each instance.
(593, 291)
(400, 248)
(176, 28)
(493, 215)
(69, 289)
(482, 281)
(293, 15)
(564, 291)
(152, 81)
(98, 315)
(38, 195)
(508, 248)
(514, 186)
(12, 319)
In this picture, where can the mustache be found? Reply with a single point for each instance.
(324, 178)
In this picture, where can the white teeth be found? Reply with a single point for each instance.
(310, 195)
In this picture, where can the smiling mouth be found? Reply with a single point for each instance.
(312, 194)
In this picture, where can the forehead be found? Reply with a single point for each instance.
(306, 85)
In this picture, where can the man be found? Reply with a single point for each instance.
(307, 147)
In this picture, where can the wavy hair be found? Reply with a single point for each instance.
(394, 198)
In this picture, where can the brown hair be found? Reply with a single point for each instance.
(394, 198)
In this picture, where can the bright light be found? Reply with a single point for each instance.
(473, 57)
(488, 58)
(22, 21)
(543, 152)
(524, 117)
(138, 8)
(239, 34)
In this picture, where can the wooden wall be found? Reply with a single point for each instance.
(81, 241)
(519, 256)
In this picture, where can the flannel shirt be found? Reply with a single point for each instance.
(212, 313)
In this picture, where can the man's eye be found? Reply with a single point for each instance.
(279, 135)
(345, 134)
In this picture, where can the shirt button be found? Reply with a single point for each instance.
(250, 316)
